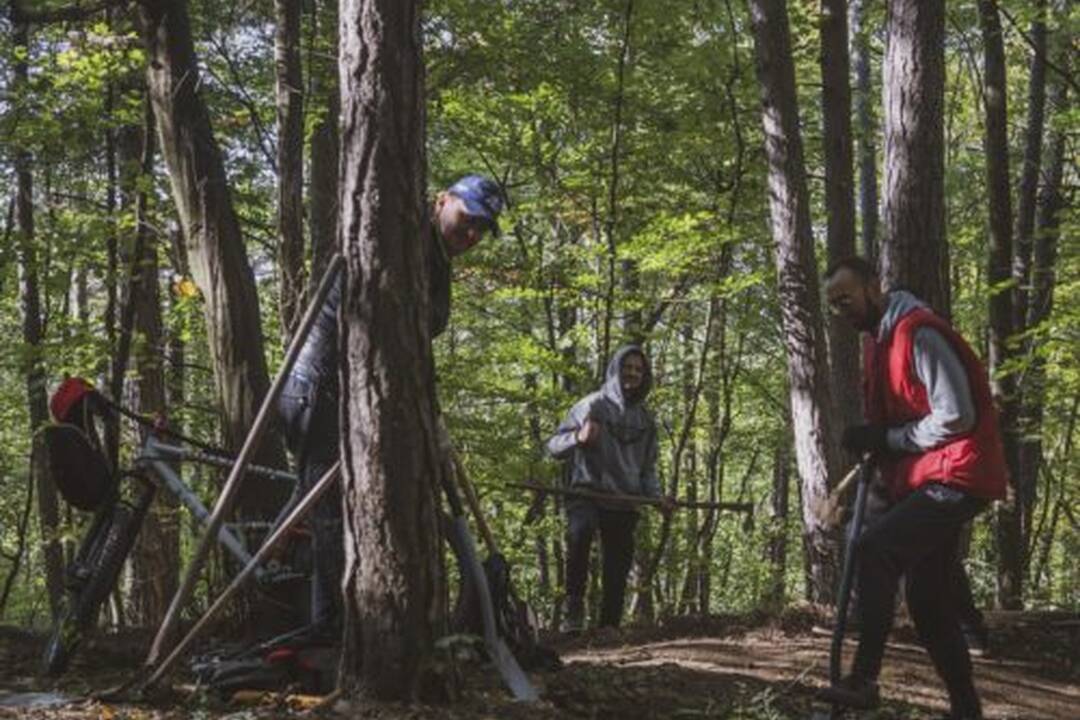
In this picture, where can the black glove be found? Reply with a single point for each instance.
(861, 439)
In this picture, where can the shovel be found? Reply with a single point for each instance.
(500, 654)
(836, 649)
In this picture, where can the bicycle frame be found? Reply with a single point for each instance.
(156, 457)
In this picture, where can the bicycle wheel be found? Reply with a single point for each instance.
(83, 606)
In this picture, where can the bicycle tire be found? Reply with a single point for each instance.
(82, 610)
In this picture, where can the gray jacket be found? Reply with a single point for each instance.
(952, 409)
(623, 459)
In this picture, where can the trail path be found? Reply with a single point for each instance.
(735, 668)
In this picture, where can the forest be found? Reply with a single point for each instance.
(177, 177)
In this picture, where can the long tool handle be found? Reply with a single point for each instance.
(846, 579)
(744, 507)
(471, 499)
(504, 660)
(232, 485)
(287, 524)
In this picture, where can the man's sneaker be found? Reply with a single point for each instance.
(978, 641)
(852, 692)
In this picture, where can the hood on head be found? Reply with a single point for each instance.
(898, 303)
(613, 388)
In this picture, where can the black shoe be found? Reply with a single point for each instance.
(852, 692)
(978, 641)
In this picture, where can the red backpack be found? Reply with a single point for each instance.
(76, 458)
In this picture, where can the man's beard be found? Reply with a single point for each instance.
(872, 320)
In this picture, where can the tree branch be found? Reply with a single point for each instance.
(76, 10)
(1062, 72)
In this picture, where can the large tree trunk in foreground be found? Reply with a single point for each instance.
(33, 335)
(392, 463)
(800, 301)
(913, 254)
(839, 201)
(290, 163)
(218, 258)
(1010, 533)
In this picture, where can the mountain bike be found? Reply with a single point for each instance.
(119, 512)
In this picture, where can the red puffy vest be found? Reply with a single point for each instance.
(973, 462)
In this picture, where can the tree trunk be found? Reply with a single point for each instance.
(1043, 282)
(33, 336)
(867, 131)
(176, 350)
(803, 327)
(914, 255)
(611, 225)
(114, 363)
(839, 202)
(323, 186)
(777, 544)
(392, 463)
(1010, 536)
(290, 163)
(156, 560)
(216, 247)
(1029, 169)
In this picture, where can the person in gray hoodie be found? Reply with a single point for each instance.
(608, 441)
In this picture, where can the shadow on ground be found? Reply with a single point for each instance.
(731, 667)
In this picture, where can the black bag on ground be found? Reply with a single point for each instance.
(514, 621)
(309, 665)
(76, 458)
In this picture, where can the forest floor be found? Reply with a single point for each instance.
(736, 667)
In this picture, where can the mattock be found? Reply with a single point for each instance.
(843, 599)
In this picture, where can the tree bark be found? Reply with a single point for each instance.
(391, 459)
(156, 560)
(611, 224)
(803, 327)
(867, 132)
(1043, 282)
(776, 594)
(1029, 169)
(843, 340)
(216, 247)
(323, 188)
(290, 163)
(1010, 536)
(33, 335)
(914, 254)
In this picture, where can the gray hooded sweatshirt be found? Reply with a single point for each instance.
(623, 458)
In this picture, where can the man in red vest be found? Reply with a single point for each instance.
(932, 430)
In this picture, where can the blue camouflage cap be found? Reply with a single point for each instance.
(482, 197)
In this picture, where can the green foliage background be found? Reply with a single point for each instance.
(527, 92)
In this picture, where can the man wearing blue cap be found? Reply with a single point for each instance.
(310, 399)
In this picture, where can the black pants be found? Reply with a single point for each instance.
(917, 538)
(311, 429)
(616, 527)
(971, 618)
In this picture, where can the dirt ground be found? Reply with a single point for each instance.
(741, 668)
